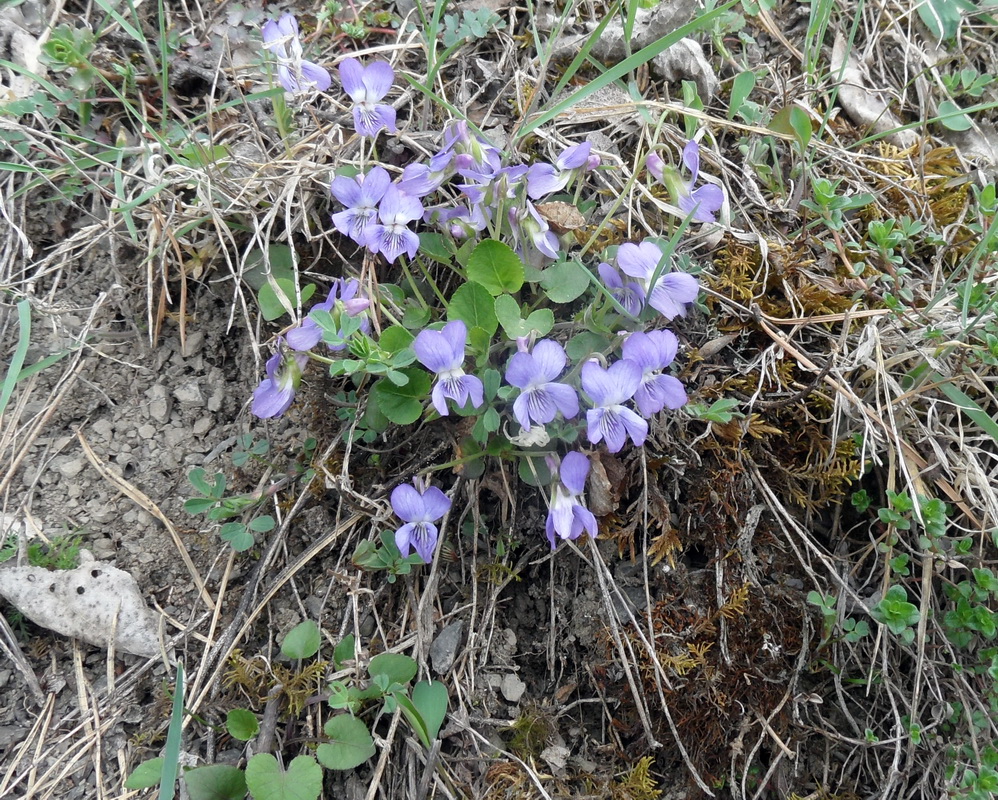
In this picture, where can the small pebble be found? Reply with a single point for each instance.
(512, 688)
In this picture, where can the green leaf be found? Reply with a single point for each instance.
(430, 699)
(267, 781)
(741, 88)
(171, 751)
(403, 405)
(395, 338)
(473, 304)
(271, 306)
(528, 466)
(242, 724)
(146, 775)
(302, 641)
(565, 281)
(198, 505)
(344, 651)
(20, 352)
(262, 524)
(952, 116)
(394, 666)
(436, 246)
(942, 17)
(351, 743)
(479, 341)
(584, 344)
(215, 782)
(415, 317)
(514, 326)
(415, 719)
(237, 536)
(495, 266)
(801, 124)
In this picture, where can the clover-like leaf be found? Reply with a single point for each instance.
(267, 781)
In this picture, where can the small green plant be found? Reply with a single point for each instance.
(852, 629)
(971, 617)
(386, 556)
(469, 25)
(347, 744)
(720, 411)
(968, 81)
(897, 613)
(68, 49)
(62, 552)
(830, 207)
(217, 506)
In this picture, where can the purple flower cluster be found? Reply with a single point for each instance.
(295, 74)
(666, 292)
(284, 368)
(502, 201)
(378, 213)
(704, 201)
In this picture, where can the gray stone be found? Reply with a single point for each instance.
(160, 403)
(147, 431)
(443, 651)
(189, 394)
(203, 425)
(69, 467)
(512, 687)
(102, 429)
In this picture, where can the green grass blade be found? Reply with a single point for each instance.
(20, 352)
(583, 53)
(968, 406)
(624, 67)
(171, 754)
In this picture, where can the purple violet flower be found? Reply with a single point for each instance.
(534, 238)
(361, 196)
(442, 352)
(276, 392)
(609, 389)
(671, 291)
(630, 295)
(419, 180)
(544, 178)
(534, 375)
(705, 201)
(568, 516)
(653, 352)
(392, 236)
(294, 73)
(366, 86)
(342, 299)
(419, 510)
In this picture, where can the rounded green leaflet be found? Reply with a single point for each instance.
(565, 281)
(403, 405)
(302, 641)
(473, 304)
(215, 782)
(395, 667)
(242, 724)
(430, 698)
(267, 781)
(496, 267)
(350, 746)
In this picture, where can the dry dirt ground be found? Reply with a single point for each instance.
(680, 644)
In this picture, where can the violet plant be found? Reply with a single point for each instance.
(488, 351)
